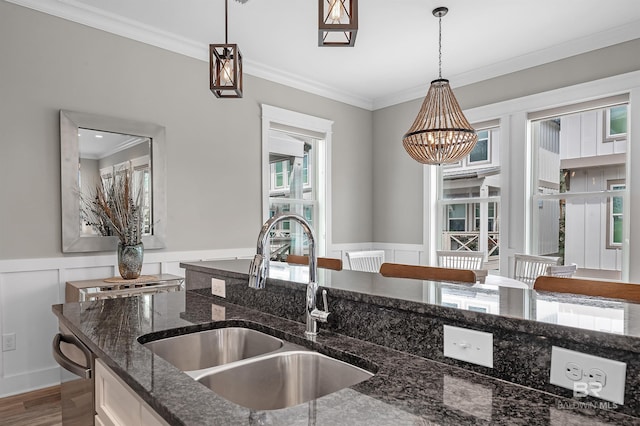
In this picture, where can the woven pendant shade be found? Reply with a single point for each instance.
(440, 133)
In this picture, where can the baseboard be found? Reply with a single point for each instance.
(29, 381)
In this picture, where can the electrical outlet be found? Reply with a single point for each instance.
(468, 345)
(598, 376)
(588, 374)
(217, 287)
(9, 342)
(573, 371)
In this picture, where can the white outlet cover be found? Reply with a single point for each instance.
(218, 287)
(614, 374)
(9, 342)
(468, 345)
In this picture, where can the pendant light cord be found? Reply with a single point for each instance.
(226, 14)
(440, 47)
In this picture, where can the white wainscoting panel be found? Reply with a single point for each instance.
(28, 289)
(26, 299)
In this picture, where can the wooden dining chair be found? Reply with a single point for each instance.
(418, 272)
(323, 262)
(609, 289)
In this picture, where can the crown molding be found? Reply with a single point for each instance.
(78, 12)
(288, 79)
(586, 44)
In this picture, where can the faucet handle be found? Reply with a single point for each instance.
(319, 315)
(324, 300)
(256, 272)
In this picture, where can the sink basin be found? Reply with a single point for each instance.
(210, 348)
(283, 379)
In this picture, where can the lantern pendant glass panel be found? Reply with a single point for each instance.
(337, 22)
(225, 63)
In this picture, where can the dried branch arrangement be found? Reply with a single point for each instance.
(114, 208)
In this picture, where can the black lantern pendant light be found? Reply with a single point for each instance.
(337, 22)
(440, 133)
(225, 66)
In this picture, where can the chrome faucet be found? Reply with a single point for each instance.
(260, 264)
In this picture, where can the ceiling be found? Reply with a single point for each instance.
(396, 50)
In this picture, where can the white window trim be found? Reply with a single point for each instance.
(272, 117)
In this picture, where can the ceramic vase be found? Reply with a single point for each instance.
(130, 260)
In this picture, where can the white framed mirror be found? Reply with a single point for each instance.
(92, 147)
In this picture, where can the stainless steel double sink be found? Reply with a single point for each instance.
(254, 369)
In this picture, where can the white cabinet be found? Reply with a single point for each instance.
(118, 405)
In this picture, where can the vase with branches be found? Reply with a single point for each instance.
(114, 208)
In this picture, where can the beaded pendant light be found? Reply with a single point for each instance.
(225, 66)
(440, 133)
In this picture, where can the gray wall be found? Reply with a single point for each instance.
(398, 214)
(213, 193)
(213, 167)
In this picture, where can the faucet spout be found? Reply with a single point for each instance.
(260, 264)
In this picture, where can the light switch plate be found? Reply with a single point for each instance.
(218, 287)
(467, 345)
(9, 342)
(588, 374)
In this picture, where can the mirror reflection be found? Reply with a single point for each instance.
(606, 315)
(103, 155)
(93, 149)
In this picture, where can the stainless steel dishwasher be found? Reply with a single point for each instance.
(77, 394)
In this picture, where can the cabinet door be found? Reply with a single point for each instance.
(150, 417)
(118, 405)
(114, 403)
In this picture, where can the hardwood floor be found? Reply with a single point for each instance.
(37, 408)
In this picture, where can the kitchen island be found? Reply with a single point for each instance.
(406, 389)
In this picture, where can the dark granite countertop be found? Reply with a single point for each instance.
(406, 389)
(610, 322)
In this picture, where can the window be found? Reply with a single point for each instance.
(305, 168)
(279, 174)
(469, 203)
(480, 152)
(578, 192)
(491, 213)
(296, 178)
(616, 121)
(614, 208)
(291, 191)
(457, 217)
